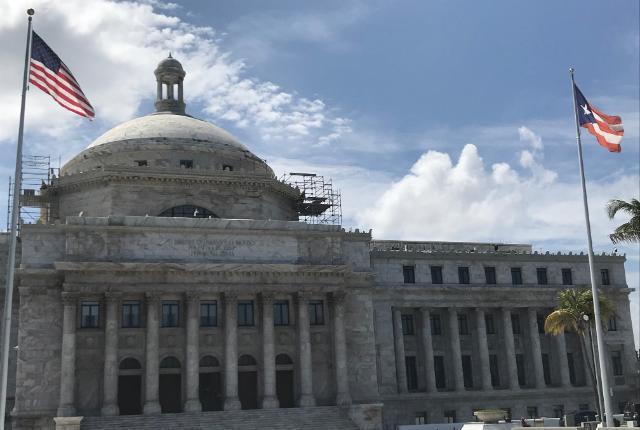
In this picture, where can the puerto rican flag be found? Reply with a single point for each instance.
(51, 75)
(606, 128)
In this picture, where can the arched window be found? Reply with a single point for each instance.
(209, 361)
(188, 211)
(130, 364)
(283, 359)
(170, 363)
(246, 360)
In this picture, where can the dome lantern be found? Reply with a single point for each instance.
(169, 77)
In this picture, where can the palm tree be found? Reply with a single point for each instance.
(573, 305)
(629, 231)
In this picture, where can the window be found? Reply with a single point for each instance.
(566, 277)
(436, 274)
(208, 314)
(170, 314)
(186, 164)
(130, 314)
(490, 275)
(409, 273)
(516, 276)
(408, 327)
(604, 274)
(522, 379)
(467, 372)
(245, 313)
(281, 313)
(613, 324)
(412, 373)
(546, 370)
(438, 368)
(558, 411)
(494, 369)
(436, 325)
(450, 416)
(515, 323)
(542, 275)
(540, 321)
(489, 324)
(572, 369)
(188, 211)
(227, 167)
(316, 313)
(583, 406)
(463, 325)
(616, 361)
(89, 314)
(140, 163)
(532, 411)
(463, 275)
(421, 418)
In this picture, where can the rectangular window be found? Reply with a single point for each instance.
(540, 320)
(532, 411)
(467, 371)
(515, 323)
(616, 361)
(245, 313)
(495, 372)
(141, 163)
(186, 164)
(546, 370)
(613, 324)
(438, 368)
(409, 274)
(412, 373)
(489, 324)
(316, 312)
(170, 314)
(558, 411)
(436, 325)
(463, 324)
(209, 314)
(130, 314)
(421, 418)
(450, 416)
(522, 378)
(542, 275)
(89, 315)
(572, 368)
(281, 313)
(567, 279)
(490, 275)
(604, 274)
(408, 327)
(436, 274)
(463, 275)
(516, 276)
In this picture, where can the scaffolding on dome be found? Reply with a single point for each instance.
(319, 203)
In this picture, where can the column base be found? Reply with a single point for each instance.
(306, 400)
(66, 411)
(151, 408)
(109, 410)
(232, 404)
(270, 402)
(192, 405)
(343, 399)
(68, 423)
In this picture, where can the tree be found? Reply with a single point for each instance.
(629, 231)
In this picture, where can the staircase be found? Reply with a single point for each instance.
(315, 418)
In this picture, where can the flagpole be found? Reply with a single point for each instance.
(15, 213)
(604, 377)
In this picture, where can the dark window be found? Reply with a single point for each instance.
(89, 315)
(532, 411)
(421, 418)
(604, 274)
(436, 274)
(438, 368)
(209, 361)
(495, 372)
(450, 416)
(616, 361)
(546, 370)
(463, 275)
(489, 324)
(246, 360)
(141, 163)
(283, 359)
(522, 379)
(436, 325)
(412, 373)
(408, 327)
(281, 313)
(583, 406)
(516, 276)
(245, 313)
(540, 320)
(463, 325)
(186, 164)
(566, 277)
(170, 314)
(316, 313)
(170, 363)
(409, 273)
(188, 211)
(490, 275)
(467, 372)
(227, 167)
(508, 412)
(131, 314)
(130, 364)
(613, 324)
(572, 368)
(542, 275)
(558, 411)
(209, 314)
(515, 323)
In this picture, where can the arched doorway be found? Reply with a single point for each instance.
(248, 382)
(210, 384)
(284, 381)
(170, 385)
(130, 387)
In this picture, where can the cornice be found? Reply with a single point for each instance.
(494, 256)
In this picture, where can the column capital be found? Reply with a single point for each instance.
(338, 297)
(69, 298)
(192, 296)
(151, 298)
(230, 296)
(267, 297)
(304, 296)
(112, 296)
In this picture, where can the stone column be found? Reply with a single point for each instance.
(483, 350)
(110, 398)
(231, 401)
(269, 398)
(398, 337)
(67, 406)
(193, 354)
(152, 368)
(343, 396)
(510, 350)
(427, 348)
(304, 350)
(456, 354)
(563, 363)
(536, 351)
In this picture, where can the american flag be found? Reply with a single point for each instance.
(607, 129)
(52, 76)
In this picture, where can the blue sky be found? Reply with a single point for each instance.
(439, 120)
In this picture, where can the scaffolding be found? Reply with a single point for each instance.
(319, 203)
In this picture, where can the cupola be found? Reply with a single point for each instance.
(169, 77)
